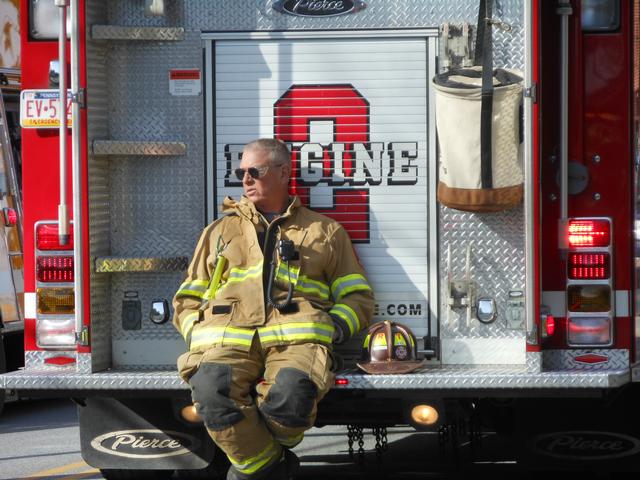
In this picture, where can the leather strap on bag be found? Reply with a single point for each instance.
(484, 57)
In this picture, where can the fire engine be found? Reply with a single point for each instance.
(134, 115)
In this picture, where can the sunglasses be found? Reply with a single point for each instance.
(254, 172)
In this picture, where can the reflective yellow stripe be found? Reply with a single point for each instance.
(285, 274)
(288, 332)
(194, 288)
(227, 335)
(253, 464)
(302, 283)
(187, 323)
(348, 284)
(346, 313)
(237, 275)
(307, 285)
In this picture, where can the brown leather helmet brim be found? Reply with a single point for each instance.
(396, 366)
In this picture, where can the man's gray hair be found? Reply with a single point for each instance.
(277, 149)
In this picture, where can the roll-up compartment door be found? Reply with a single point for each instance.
(356, 115)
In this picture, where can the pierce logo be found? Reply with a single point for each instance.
(318, 8)
(586, 445)
(145, 444)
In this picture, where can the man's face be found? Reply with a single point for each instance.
(268, 191)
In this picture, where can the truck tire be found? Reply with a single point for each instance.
(117, 474)
(3, 369)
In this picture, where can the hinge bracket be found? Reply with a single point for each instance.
(532, 93)
(82, 337)
(80, 98)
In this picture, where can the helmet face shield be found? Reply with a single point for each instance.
(389, 348)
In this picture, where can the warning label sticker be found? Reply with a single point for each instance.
(185, 82)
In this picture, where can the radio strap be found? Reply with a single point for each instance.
(484, 57)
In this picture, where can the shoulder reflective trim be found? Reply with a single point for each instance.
(226, 335)
(194, 288)
(346, 313)
(255, 463)
(187, 323)
(295, 331)
(237, 275)
(349, 283)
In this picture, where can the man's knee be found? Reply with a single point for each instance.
(291, 399)
(210, 387)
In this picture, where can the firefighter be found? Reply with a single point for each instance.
(271, 286)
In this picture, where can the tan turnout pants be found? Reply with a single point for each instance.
(252, 419)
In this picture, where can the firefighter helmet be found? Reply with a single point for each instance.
(389, 347)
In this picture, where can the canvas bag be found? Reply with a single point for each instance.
(478, 121)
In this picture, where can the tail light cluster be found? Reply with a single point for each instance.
(55, 320)
(589, 282)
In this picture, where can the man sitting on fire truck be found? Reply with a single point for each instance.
(271, 286)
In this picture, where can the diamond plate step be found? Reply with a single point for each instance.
(158, 34)
(121, 147)
(140, 264)
(461, 379)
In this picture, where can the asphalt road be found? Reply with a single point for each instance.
(39, 439)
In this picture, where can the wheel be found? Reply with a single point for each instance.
(3, 369)
(117, 474)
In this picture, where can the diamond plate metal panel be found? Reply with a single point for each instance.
(157, 149)
(497, 266)
(534, 362)
(160, 206)
(481, 378)
(148, 287)
(426, 379)
(565, 360)
(35, 360)
(84, 363)
(259, 15)
(157, 264)
(39, 379)
(158, 34)
(99, 191)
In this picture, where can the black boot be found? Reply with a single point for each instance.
(284, 469)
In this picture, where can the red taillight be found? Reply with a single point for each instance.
(589, 233)
(550, 326)
(342, 381)
(588, 266)
(54, 269)
(10, 217)
(47, 237)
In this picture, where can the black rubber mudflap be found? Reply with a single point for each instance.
(141, 434)
(580, 434)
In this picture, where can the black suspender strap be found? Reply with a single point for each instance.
(484, 49)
